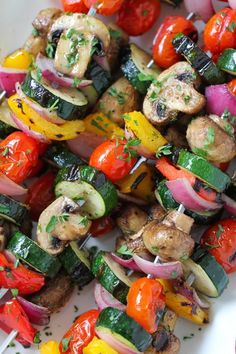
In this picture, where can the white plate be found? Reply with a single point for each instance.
(216, 338)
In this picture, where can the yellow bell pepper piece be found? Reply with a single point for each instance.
(98, 346)
(20, 59)
(144, 189)
(99, 124)
(33, 120)
(182, 306)
(149, 136)
(50, 347)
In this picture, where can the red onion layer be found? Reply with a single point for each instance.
(127, 263)
(203, 8)
(219, 98)
(104, 299)
(38, 315)
(8, 187)
(9, 77)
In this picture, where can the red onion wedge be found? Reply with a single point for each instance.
(232, 4)
(219, 98)
(229, 204)
(46, 65)
(115, 343)
(160, 270)
(19, 339)
(182, 288)
(9, 77)
(127, 263)
(24, 128)
(183, 193)
(44, 112)
(202, 8)
(104, 299)
(8, 187)
(84, 145)
(38, 315)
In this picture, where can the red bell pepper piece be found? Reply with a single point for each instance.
(19, 339)
(13, 316)
(19, 277)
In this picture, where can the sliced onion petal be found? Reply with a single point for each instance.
(38, 315)
(229, 204)
(9, 77)
(24, 128)
(104, 299)
(203, 304)
(44, 112)
(115, 343)
(85, 144)
(8, 187)
(127, 263)
(203, 8)
(232, 4)
(182, 288)
(159, 270)
(219, 98)
(183, 193)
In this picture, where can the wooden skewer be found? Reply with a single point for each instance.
(8, 341)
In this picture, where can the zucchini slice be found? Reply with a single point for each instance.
(68, 103)
(59, 156)
(12, 210)
(210, 277)
(100, 77)
(77, 264)
(134, 68)
(204, 170)
(227, 61)
(87, 183)
(29, 252)
(112, 276)
(126, 330)
(198, 59)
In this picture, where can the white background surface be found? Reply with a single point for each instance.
(216, 338)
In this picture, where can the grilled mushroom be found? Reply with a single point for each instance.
(173, 93)
(119, 39)
(59, 223)
(131, 219)
(204, 134)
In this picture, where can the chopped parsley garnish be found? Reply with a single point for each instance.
(119, 95)
(38, 73)
(188, 337)
(123, 250)
(210, 247)
(71, 32)
(14, 292)
(5, 151)
(65, 344)
(164, 150)
(115, 34)
(35, 33)
(54, 106)
(145, 12)
(51, 49)
(210, 138)
(95, 42)
(84, 221)
(231, 27)
(219, 231)
(143, 77)
(76, 81)
(174, 274)
(127, 149)
(187, 99)
(55, 220)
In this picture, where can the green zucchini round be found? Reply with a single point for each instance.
(227, 61)
(12, 210)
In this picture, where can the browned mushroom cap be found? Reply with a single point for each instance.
(119, 39)
(44, 20)
(119, 98)
(131, 219)
(206, 136)
(167, 242)
(35, 45)
(166, 343)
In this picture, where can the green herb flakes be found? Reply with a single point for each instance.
(65, 344)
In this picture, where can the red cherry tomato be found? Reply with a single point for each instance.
(232, 86)
(18, 155)
(74, 6)
(113, 158)
(138, 16)
(164, 53)
(40, 194)
(220, 240)
(105, 7)
(102, 226)
(145, 299)
(80, 334)
(220, 31)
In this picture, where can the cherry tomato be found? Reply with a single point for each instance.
(80, 333)
(220, 239)
(102, 226)
(164, 53)
(40, 194)
(19, 277)
(145, 299)
(220, 31)
(114, 158)
(74, 6)
(138, 16)
(105, 7)
(18, 155)
(232, 86)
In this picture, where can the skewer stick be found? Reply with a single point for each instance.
(138, 163)
(8, 341)
(2, 96)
